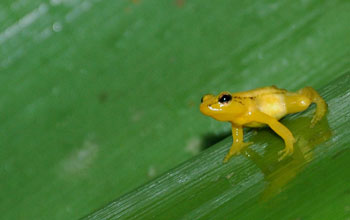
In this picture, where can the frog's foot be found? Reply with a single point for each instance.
(235, 150)
(287, 151)
(317, 117)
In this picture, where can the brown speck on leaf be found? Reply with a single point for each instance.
(136, 1)
(102, 97)
(127, 9)
(347, 191)
(180, 3)
(191, 103)
(340, 153)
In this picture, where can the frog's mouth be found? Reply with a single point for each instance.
(208, 109)
(214, 109)
(209, 106)
(205, 109)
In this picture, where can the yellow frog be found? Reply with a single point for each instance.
(259, 107)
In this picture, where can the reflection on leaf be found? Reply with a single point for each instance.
(279, 174)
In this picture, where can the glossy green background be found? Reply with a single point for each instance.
(98, 97)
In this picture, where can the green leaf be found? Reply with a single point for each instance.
(312, 184)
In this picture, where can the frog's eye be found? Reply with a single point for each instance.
(202, 99)
(225, 98)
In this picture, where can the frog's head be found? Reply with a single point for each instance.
(221, 107)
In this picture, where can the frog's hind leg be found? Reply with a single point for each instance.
(314, 97)
(280, 129)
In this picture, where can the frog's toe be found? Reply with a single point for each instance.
(246, 144)
(231, 154)
(226, 159)
(228, 156)
(314, 121)
(285, 152)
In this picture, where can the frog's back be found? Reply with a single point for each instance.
(254, 93)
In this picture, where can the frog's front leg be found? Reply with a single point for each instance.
(238, 144)
(280, 129)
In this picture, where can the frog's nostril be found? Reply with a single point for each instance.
(206, 97)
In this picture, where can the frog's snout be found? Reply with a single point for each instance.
(206, 102)
(206, 97)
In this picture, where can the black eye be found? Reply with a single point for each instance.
(202, 100)
(225, 98)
